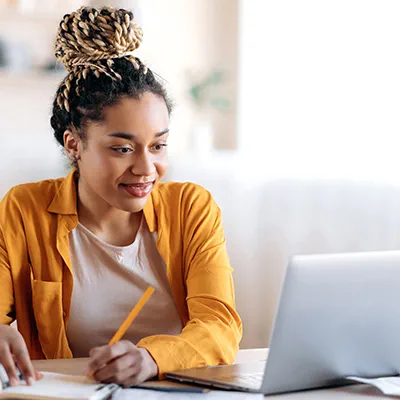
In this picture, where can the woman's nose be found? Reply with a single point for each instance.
(143, 164)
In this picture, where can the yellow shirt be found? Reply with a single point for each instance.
(36, 280)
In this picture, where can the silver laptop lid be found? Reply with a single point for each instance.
(338, 315)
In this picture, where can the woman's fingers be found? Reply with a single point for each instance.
(38, 375)
(7, 360)
(118, 370)
(22, 359)
(122, 363)
(14, 355)
(101, 356)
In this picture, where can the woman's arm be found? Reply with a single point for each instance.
(213, 332)
(7, 312)
(12, 345)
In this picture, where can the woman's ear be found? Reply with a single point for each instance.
(72, 145)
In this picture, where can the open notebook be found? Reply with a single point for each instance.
(60, 386)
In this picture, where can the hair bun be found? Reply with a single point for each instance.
(89, 34)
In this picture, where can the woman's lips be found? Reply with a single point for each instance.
(138, 189)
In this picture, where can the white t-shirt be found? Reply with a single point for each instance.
(108, 281)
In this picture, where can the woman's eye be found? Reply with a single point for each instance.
(159, 147)
(123, 150)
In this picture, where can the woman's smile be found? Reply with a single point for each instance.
(137, 189)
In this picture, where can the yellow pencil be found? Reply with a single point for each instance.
(132, 315)
(129, 319)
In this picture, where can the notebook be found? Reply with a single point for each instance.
(389, 385)
(59, 386)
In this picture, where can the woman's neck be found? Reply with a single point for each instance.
(114, 226)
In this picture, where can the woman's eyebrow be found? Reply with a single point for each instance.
(129, 136)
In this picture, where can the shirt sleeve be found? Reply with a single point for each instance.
(7, 313)
(213, 332)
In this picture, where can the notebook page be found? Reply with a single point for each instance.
(387, 385)
(57, 386)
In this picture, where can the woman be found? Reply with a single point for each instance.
(77, 253)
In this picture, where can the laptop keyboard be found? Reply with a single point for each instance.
(247, 380)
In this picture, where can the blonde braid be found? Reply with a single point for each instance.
(87, 42)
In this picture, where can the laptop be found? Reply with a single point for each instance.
(338, 315)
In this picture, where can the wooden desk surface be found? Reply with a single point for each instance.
(76, 367)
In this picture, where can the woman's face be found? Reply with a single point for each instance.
(125, 154)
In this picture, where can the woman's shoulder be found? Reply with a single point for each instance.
(184, 196)
(189, 206)
(182, 192)
(32, 194)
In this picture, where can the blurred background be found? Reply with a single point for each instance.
(286, 110)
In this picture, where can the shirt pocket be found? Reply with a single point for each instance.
(48, 312)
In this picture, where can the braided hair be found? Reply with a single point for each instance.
(96, 46)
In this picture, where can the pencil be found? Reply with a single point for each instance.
(132, 315)
(129, 319)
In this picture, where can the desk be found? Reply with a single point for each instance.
(77, 366)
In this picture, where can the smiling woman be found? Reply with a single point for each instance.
(123, 156)
(77, 253)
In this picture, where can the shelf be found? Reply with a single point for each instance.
(29, 78)
(12, 16)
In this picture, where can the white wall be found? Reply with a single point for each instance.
(28, 151)
(319, 87)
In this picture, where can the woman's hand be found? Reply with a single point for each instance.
(121, 363)
(14, 354)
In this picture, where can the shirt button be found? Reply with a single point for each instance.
(64, 314)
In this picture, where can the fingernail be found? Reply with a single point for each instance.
(15, 381)
(31, 381)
